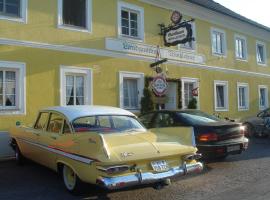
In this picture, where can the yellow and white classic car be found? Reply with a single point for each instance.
(106, 146)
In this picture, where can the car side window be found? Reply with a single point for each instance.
(267, 113)
(42, 121)
(163, 120)
(147, 119)
(55, 123)
(66, 129)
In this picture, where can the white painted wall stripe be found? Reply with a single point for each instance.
(113, 54)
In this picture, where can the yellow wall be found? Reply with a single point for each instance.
(43, 66)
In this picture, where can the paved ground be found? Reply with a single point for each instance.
(246, 176)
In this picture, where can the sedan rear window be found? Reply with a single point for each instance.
(107, 124)
(198, 117)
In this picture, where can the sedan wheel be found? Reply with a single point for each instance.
(18, 156)
(71, 180)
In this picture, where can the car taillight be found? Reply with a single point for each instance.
(242, 130)
(208, 137)
(113, 169)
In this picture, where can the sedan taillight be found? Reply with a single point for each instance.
(208, 137)
(113, 169)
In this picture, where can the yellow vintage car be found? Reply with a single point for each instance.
(106, 146)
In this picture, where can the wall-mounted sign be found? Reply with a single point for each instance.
(159, 85)
(195, 92)
(179, 34)
(145, 50)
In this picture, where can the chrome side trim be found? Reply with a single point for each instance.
(147, 177)
(59, 152)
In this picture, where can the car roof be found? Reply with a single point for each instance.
(74, 112)
(179, 111)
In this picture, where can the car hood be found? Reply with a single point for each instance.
(144, 145)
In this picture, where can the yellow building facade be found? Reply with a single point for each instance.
(67, 52)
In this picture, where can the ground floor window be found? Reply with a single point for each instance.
(263, 97)
(243, 96)
(131, 90)
(76, 86)
(12, 88)
(190, 90)
(221, 95)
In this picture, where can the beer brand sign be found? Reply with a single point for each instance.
(159, 85)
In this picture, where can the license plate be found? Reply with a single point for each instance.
(159, 166)
(233, 148)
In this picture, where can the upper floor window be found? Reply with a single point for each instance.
(240, 48)
(218, 42)
(14, 10)
(261, 53)
(74, 14)
(130, 21)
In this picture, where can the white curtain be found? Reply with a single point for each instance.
(220, 96)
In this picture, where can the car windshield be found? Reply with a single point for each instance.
(107, 124)
(198, 117)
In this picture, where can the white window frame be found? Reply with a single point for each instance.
(266, 96)
(224, 42)
(89, 12)
(87, 72)
(190, 80)
(264, 52)
(194, 43)
(245, 85)
(130, 75)
(23, 14)
(20, 68)
(140, 11)
(226, 96)
(244, 39)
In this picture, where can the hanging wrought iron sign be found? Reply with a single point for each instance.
(159, 85)
(177, 33)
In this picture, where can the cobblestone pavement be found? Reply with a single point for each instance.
(245, 176)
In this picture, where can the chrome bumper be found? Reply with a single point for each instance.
(147, 177)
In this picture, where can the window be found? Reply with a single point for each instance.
(131, 90)
(76, 86)
(192, 44)
(12, 86)
(74, 14)
(163, 120)
(221, 95)
(218, 42)
(130, 21)
(42, 121)
(243, 96)
(14, 10)
(147, 119)
(263, 97)
(55, 123)
(190, 87)
(261, 53)
(240, 48)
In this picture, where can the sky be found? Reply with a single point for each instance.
(258, 10)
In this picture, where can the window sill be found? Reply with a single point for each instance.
(263, 108)
(243, 109)
(241, 59)
(219, 55)
(135, 39)
(262, 64)
(12, 112)
(73, 28)
(221, 109)
(13, 19)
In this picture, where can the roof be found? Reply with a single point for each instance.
(74, 112)
(212, 5)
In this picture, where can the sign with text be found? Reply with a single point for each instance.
(159, 85)
(179, 34)
(127, 46)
